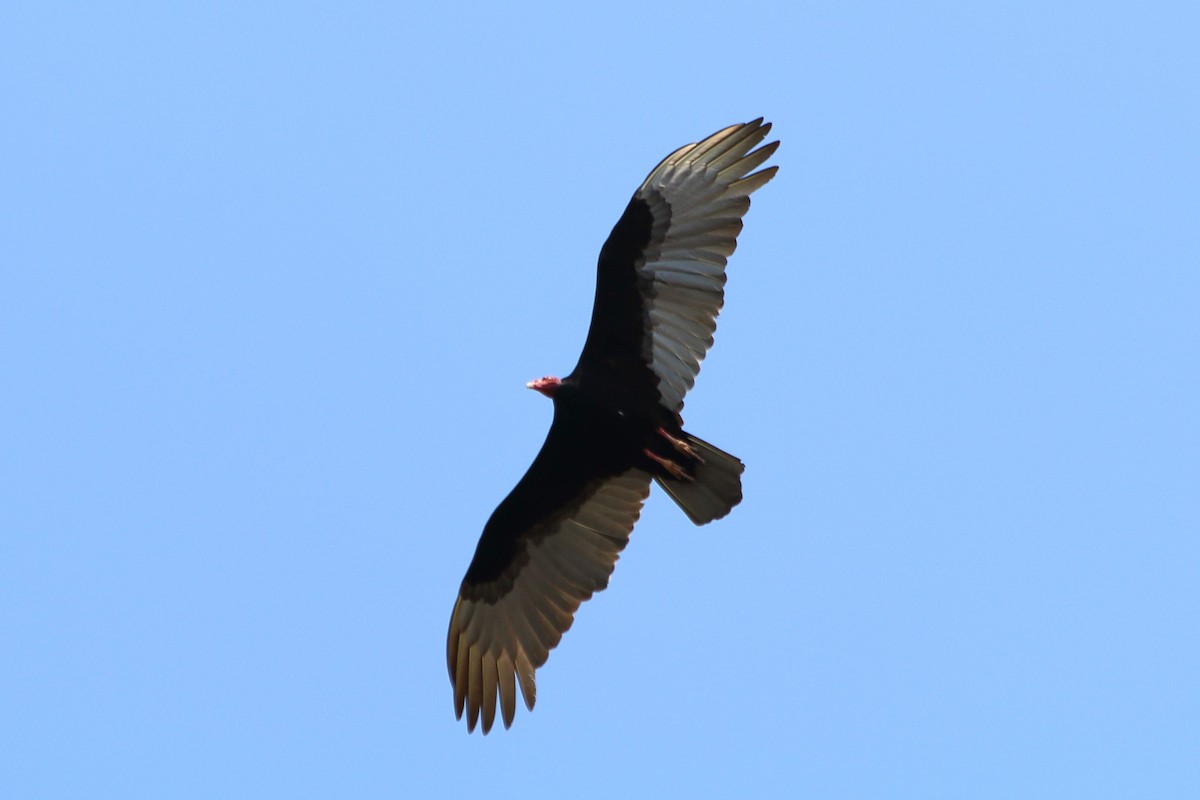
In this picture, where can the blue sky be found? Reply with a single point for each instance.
(274, 276)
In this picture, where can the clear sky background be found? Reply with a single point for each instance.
(274, 275)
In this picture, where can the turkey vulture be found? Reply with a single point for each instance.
(554, 540)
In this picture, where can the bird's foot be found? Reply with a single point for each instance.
(681, 446)
(670, 466)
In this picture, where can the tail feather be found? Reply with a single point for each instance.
(716, 486)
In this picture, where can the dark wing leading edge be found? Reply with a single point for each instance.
(549, 546)
(661, 276)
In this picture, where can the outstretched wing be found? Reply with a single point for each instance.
(661, 277)
(549, 546)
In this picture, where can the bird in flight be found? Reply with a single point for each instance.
(553, 542)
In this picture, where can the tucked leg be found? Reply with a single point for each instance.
(681, 445)
(670, 466)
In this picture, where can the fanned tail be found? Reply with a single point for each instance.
(715, 487)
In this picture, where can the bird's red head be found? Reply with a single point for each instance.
(547, 385)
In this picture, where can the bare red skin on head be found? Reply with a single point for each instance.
(547, 385)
